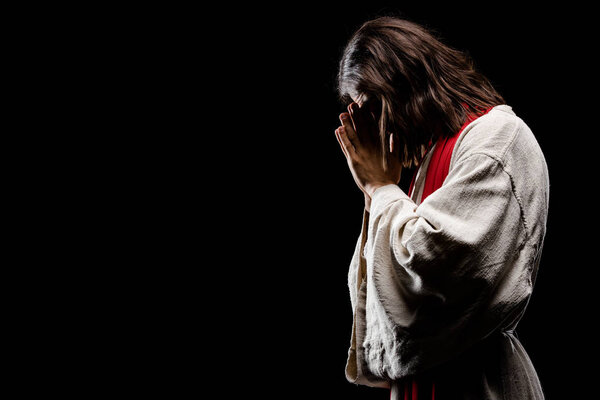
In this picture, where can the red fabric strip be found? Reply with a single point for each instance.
(415, 391)
(439, 164)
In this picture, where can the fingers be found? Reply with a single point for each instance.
(354, 130)
(339, 139)
(349, 128)
(357, 119)
(363, 123)
(347, 147)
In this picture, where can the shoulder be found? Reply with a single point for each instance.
(492, 134)
(504, 137)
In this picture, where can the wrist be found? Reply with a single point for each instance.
(372, 187)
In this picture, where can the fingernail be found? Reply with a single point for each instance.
(344, 116)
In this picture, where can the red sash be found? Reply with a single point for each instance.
(440, 160)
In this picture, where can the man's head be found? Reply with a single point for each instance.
(420, 88)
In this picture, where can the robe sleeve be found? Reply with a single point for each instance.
(358, 267)
(442, 275)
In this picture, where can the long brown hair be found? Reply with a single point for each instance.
(424, 88)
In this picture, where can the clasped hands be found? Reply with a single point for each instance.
(372, 165)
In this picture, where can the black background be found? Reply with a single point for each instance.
(280, 219)
(196, 188)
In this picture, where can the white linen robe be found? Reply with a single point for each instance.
(439, 286)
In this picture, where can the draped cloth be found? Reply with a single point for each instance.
(439, 279)
(420, 388)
